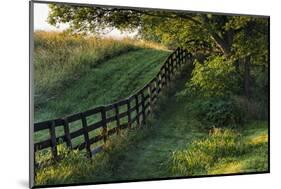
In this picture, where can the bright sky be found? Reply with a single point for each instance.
(41, 12)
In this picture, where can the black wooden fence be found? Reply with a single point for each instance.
(137, 107)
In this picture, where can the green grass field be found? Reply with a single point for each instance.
(72, 73)
(113, 80)
(111, 74)
(174, 142)
(164, 148)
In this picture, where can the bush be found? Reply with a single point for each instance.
(215, 77)
(219, 112)
(252, 109)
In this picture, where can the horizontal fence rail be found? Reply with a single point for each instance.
(133, 109)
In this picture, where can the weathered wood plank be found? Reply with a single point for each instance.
(76, 133)
(42, 145)
(96, 139)
(112, 131)
(117, 118)
(129, 113)
(94, 126)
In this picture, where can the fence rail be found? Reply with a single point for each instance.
(137, 107)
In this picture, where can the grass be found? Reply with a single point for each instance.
(225, 151)
(174, 142)
(115, 79)
(63, 60)
(160, 149)
(141, 153)
(66, 82)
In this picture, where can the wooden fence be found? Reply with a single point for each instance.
(137, 107)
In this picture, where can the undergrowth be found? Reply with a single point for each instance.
(224, 151)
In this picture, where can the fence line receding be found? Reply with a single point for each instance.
(124, 113)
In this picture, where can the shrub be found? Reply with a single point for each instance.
(215, 77)
(252, 109)
(220, 112)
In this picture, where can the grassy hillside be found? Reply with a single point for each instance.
(72, 73)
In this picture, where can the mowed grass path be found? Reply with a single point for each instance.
(146, 154)
(148, 151)
(148, 158)
(110, 81)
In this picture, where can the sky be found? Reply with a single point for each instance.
(41, 12)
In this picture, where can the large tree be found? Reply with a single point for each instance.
(242, 39)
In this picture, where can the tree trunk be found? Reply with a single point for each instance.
(222, 44)
(247, 77)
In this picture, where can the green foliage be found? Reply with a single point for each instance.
(223, 151)
(252, 40)
(215, 77)
(218, 112)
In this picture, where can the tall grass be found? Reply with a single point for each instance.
(75, 167)
(223, 151)
(61, 58)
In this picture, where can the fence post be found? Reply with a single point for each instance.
(177, 58)
(180, 57)
(160, 82)
(137, 109)
(129, 112)
(86, 135)
(104, 126)
(156, 89)
(117, 118)
(143, 107)
(53, 139)
(171, 67)
(150, 96)
(168, 71)
(164, 76)
(67, 133)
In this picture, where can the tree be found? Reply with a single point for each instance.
(97, 19)
(242, 39)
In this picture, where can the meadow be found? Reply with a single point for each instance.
(188, 135)
(63, 63)
(74, 73)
